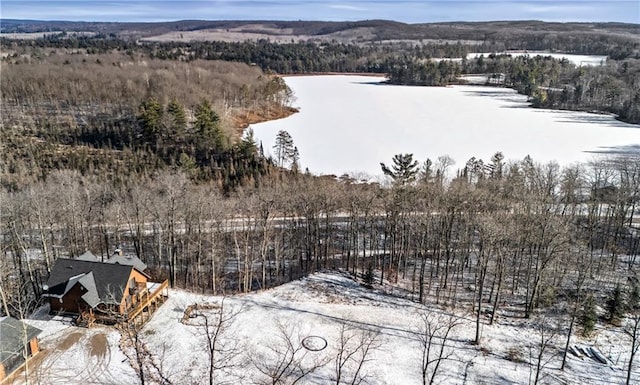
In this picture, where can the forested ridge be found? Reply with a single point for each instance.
(588, 38)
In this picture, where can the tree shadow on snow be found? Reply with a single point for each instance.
(392, 331)
(389, 330)
(631, 149)
(502, 95)
(595, 118)
(369, 83)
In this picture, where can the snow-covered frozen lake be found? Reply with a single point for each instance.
(349, 124)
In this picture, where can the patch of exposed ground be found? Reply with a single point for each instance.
(243, 118)
(99, 345)
(69, 341)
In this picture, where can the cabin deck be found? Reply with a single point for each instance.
(149, 297)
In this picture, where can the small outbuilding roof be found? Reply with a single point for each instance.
(130, 260)
(14, 334)
(89, 257)
(117, 257)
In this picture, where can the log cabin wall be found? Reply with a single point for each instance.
(34, 346)
(130, 297)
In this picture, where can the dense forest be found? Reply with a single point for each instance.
(549, 83)
(116, 115)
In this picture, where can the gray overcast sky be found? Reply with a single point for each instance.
(410, 11)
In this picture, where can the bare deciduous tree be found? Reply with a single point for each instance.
(149, 366)
(433, 333)
(539, 349)
(353, 352)
(223, 351)
(632, 329)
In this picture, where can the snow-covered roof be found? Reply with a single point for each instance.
(130, 260)
(13, 335)
(91, 297)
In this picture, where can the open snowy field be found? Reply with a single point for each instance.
(349, 124)
(309, 315)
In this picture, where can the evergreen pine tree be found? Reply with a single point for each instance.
(207, 125)
(150, 114)
(403, 171)
(368, 277)
(616, 304)
(178, 117)
(284, 148)
(589, 317)
(295, 160)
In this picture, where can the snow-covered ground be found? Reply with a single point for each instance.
(319, 306)
(72, 355)
(579, 60)
(349, 124)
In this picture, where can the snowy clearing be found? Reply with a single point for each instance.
(312, 312)
(349, 124)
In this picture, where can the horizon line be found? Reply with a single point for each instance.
(311, 20)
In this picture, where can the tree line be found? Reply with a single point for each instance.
(550, 83)
(613, 87)
(612, 39)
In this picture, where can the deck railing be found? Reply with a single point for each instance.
(147, 299)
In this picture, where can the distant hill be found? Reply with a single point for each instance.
(361, 30)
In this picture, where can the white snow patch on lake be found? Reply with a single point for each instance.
(349, 124)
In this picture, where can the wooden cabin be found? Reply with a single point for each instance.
(109, 292)
(18, 343)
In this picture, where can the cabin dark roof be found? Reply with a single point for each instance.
(105, 282)
(14, 334)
